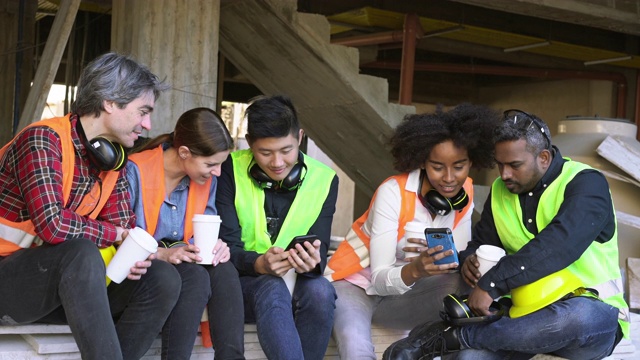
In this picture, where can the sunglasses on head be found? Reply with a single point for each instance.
(525, 121)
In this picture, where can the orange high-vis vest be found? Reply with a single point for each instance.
(17, 235)
(151, 169)
(151, 166)
(352, 255)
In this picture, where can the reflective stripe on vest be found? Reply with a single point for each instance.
(597, 267)
(151, 169)
(304, 211)
(352, 255)
(17, 235)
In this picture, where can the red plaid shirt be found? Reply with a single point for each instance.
(31, 188)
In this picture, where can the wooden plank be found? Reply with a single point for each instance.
(52, 343)
(628, 219)
(622, 151)
(35, 329)
(48, 67)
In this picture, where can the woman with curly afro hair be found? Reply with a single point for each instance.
(380, 276)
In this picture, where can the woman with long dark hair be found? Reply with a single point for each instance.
(173, 177)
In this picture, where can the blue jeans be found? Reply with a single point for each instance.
(356, 311)
(226, 312)
(290, 328)
(578, 328)
(218, 288)
(65, 283)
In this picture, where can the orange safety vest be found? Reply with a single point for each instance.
(18, 235)
(352, 255)
(151, 166)
(151, 169)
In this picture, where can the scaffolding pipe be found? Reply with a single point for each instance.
(412, 30)
(372, 39)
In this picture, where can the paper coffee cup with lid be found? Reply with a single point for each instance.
(137, 246)
(413, 230)
(488, 256)
(205, 235)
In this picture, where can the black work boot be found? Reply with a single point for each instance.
(425, 342)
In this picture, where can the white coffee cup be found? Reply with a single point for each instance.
(205, 235)
(488, 256)
(137, 246)
(413, 230)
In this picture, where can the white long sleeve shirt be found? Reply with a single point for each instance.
(387, 257)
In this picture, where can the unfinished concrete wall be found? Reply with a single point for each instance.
(178, 40)
(552, 101)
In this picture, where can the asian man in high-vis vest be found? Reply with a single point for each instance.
(267, 195)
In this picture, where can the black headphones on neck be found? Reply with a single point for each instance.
(457, 312)
(102, 153)
(290, 183)
(438, 204)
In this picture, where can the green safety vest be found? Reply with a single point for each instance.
(304, 211)
(597, 267)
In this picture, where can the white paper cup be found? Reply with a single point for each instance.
(205, 235)
(488, 257)
(290, 280)
(138, 245)
(413, 230)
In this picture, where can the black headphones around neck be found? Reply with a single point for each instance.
(456, 312)
(290, 183)
(438, 204)
(102, 153)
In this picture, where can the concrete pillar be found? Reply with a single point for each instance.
(178, 40)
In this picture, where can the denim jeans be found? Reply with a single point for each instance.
(578, 328)
(65, 283)
(290, 327)
(356, 311)
(218, 288)
(226, 312)
(180, 330)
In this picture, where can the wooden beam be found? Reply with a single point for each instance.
(623, 152)
(53, 50)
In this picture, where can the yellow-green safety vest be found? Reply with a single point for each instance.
(304, 211)
(597, 267)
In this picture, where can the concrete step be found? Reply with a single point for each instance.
(40, 341)
(55, 342)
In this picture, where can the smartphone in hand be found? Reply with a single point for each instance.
(301, 240)
(442, 236)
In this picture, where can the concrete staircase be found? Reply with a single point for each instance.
(347, 114)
